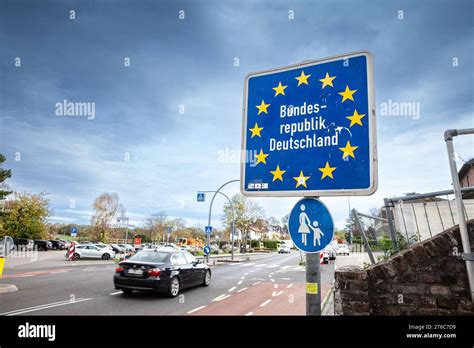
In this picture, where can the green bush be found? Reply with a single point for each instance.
(270, 244)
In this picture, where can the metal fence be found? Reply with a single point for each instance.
(422, 216)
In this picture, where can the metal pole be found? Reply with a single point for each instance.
(362, 233)
(210, 211)
(391, 225)
(313, 284)
(448, 137)
(126, 233)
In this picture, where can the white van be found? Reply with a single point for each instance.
(288, 243)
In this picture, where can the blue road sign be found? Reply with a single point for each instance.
(309, 129)
(73, 231)
(201, 197)
(311, 225)
(208, 230)
(207, 249)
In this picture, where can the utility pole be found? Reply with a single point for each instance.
(313, 284)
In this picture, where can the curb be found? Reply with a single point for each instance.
(4, 288)
(326, 300)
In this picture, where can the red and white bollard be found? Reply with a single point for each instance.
(321, 258)
(71, 251)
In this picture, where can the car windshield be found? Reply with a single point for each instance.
(149, 256)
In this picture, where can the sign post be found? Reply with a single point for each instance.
(308, 130)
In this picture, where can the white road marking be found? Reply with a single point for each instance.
(240, 282)
(45, 306)
(261, 265)
(247, 264)
(249, 313)
(273, 280)
(242, 289)
(289, 286)
(269, 275)
(246, 273)
(220, 298)
(265, 303)
(274, 293)
(243, 277)
(284, 267)
(196, 309)
(275, 286)
(232, 288)
(285, 278)
(256, 283)
(116, 293)
(273, 266)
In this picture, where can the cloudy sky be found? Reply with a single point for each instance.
(162, 123)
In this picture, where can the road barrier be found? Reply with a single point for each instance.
(71, 251)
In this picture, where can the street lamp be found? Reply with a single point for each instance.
(233, 215)
(122, 219)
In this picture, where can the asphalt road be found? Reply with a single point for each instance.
(271, 284)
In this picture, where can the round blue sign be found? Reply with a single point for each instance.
(311, 225)
(207, 249)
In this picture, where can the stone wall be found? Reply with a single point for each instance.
(426, 279)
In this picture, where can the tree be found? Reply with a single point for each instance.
(27, 215)
(247, 213)
(155, 224)
(4, 175)
(106, 210)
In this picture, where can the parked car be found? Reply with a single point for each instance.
(127, 247)
(117, 248)
(284, 249)
(343, 249)
(85, 251)
(67, 243)
(24, 244)
(329, 249)
(325, 256)
(57, 245)
(162, 271)
(102, 245)
(43, 245)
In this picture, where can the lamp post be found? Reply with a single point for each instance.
(121, 219)
(233, 215)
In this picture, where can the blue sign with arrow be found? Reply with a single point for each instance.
(311, 225)
(309, 129)
(73, 231)
(208, 230)
(207, 249)
(201, 197)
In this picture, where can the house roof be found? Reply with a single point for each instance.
(465, 168)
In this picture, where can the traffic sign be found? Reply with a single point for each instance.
(201, 196)
(168, 229)
(311, 225)
(73, 231)
(137, 241)
(309, 129)
(208, 230)
(207, 249)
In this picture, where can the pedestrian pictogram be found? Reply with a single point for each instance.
(311, 225)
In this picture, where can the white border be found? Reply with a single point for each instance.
(372, 134)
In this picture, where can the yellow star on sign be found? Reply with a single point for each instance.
(348, 150)
(301, 180)
(261, 157)
(355, 118)
(327, 171)
(262, 108)
(347, 94)
(327, 81)
(280, 89)
(302, 78)
(256, 130)
(278, 173)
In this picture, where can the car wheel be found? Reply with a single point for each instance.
(173, 290)
(105, 256)
(207, 278)
(76, 256)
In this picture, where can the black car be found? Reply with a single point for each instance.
(162, 271)
(24, 244)
(43, 245)
(57, 245)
